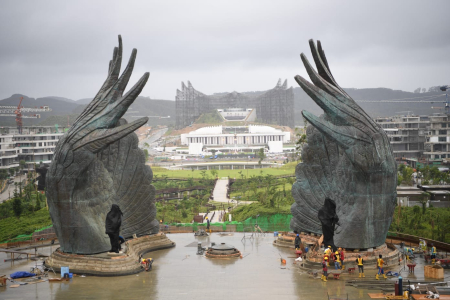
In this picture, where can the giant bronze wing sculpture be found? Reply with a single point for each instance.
(97, 163)
(347, 158)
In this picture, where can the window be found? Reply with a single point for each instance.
(444, 125)
(442, 131)
(442, 139)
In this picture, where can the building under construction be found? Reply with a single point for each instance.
(275, 106)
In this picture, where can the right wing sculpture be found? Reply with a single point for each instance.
(97, 163)
(347, 158)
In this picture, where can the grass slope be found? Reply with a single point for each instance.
(12, 227)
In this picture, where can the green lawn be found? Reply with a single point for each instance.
(222, 173)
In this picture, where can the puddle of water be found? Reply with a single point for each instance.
(179, 273)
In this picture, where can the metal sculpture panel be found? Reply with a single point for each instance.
(97, 163)
(348, 159)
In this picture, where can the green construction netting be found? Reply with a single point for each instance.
(278, 222)
(25, 237)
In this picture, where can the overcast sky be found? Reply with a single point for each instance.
(62, 48)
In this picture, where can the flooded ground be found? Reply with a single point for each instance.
(179, 273)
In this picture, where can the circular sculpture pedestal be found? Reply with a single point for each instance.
(287, 240)
(104, 264)
(390, 256)
(222, 251)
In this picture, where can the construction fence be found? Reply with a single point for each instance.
(278, 222)
(38, 235)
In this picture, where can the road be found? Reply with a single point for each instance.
(9, 191)
(152, 141)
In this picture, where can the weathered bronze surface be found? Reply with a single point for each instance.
(347, 158)
(97, 163)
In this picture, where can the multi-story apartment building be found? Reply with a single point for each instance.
(422, 138)
(437, 146)
(35, 144)
(406, 134)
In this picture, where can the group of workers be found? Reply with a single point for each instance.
(409, 252)
(337, 257)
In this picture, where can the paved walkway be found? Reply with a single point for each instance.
(220, 191)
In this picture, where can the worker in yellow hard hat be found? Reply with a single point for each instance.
(324, 269)
(337, 260)
(147, 263)
(327, 253)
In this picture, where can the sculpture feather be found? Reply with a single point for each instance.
(347, 158)
(97, 163)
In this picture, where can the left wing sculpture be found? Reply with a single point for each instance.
(97, 163)
(348, 159)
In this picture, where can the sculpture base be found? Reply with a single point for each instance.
(389, 252)
(287, 240)
(104, 264)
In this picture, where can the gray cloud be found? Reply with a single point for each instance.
(62, 48)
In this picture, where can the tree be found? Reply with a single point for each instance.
(214, 172)
(17, 207)
(434, 89)
(22, 164)
(424, 90)
(261, 155)
(213, 151)
(423, 199)
(38, 202)
(146, 145)
(417, 90)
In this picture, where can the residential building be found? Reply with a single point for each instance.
(36, 144)
(425, 139)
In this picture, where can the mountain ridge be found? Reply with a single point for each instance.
(65, 108)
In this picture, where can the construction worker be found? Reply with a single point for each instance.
(207, 225)
(360, 263)
(408, 252)
(297, 242)
(327, 254)
(342, 256)
(147, 264)
(337, 260)
(433, 254)
(325, 268)
(423, 245)
(380, 263)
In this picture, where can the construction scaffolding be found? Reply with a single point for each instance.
(275, 106)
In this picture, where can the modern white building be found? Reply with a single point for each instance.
(35, 144)
(252, 135)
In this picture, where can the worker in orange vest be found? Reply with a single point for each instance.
(380, 263)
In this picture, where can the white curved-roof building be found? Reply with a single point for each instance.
(235, 135)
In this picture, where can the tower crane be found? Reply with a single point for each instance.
(12, 111)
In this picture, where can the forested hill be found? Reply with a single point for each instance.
(65, 110)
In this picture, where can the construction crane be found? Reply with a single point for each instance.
(12, 111)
